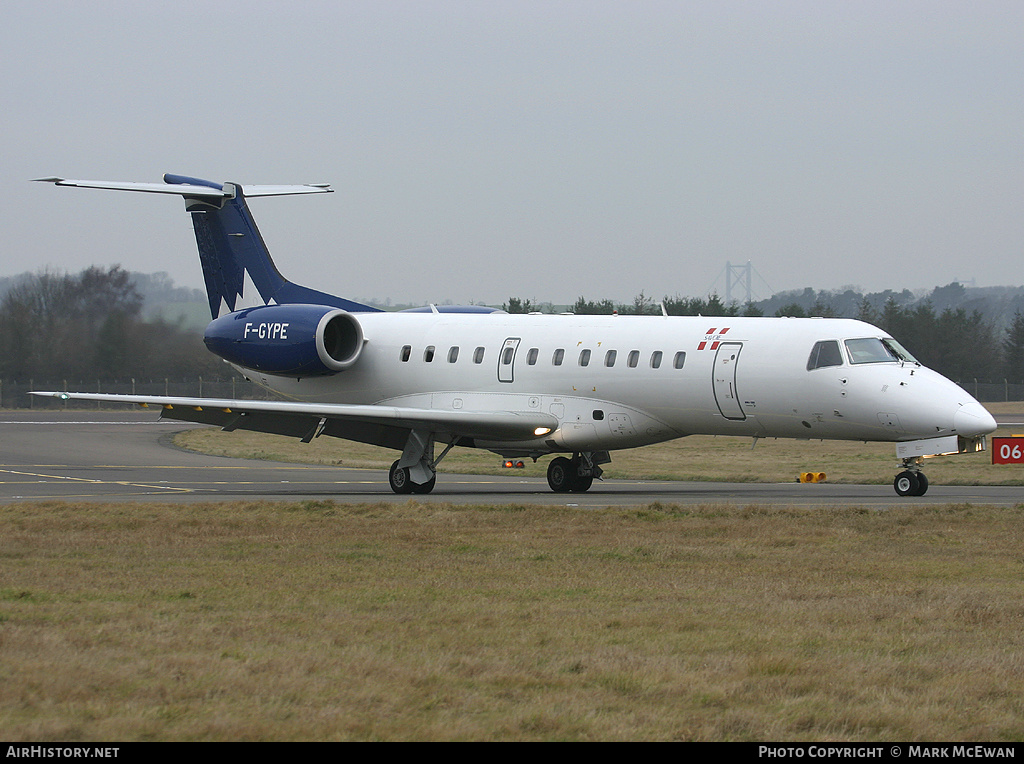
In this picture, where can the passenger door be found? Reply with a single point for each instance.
(506, 359)
(726, 396)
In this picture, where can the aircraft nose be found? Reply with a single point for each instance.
(972, 419)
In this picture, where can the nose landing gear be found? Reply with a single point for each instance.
(911, 482)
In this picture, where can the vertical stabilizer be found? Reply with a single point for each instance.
(231, 247)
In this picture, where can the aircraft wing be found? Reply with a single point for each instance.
(387, 426)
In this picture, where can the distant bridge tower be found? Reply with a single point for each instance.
(737, 275)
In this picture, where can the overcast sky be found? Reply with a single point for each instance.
(547, 150)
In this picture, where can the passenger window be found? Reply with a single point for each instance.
(656, 359)
(453, 354)
(824, 353)
(556, 359)
(679, 360)
(506, 356)
(634, 359)
(609, 358)
(478, 355)
(531, 357)
(428, 354)
(406, 352)
(585, 357)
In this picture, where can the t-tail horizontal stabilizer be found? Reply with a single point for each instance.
(230, 243)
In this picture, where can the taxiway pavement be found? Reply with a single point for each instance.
(128, 456)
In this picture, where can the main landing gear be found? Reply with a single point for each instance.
(911, 482)
(576, 474)
(401, 481)
(416, 471)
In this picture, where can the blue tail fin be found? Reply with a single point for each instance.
(230, 245)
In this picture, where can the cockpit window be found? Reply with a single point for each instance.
(899, 351)
(825, 353)
(875, 350)
(869, 350)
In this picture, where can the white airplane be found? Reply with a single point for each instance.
(532, 385)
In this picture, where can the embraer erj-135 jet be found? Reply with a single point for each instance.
(532, 385)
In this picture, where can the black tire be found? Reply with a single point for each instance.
(425, 487)
(907, 484)
(399, 479)
(922, 484)
(582, 484)
(560, 475)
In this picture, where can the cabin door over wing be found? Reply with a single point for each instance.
(728, 400)
(507, 358)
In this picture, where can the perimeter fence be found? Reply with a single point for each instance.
(994, 392)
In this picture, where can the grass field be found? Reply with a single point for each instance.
(416, 621)
(698, 457)
(250, 621)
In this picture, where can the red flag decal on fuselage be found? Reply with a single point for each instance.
(712, 338)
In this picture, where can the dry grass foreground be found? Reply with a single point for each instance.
(699, 457)
(259, 621)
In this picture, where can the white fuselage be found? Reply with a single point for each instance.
(739, 376)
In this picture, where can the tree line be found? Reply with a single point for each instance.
(91, 325)
(88, 326)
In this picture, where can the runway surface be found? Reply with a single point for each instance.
(128, 456)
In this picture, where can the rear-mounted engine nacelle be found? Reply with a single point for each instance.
(293, 340)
